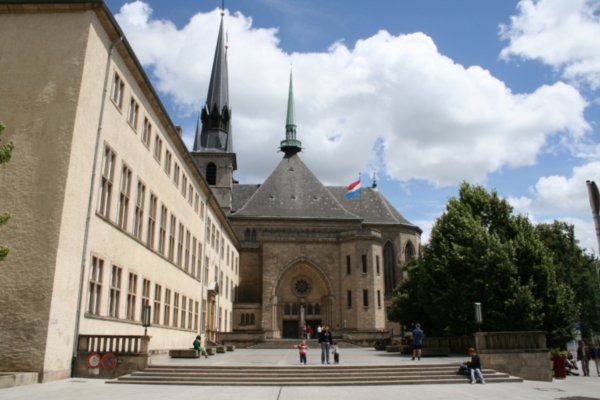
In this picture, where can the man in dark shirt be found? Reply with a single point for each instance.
(418, 336)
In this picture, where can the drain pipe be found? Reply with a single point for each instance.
(90, 201)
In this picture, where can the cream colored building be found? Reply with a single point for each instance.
(109, 211)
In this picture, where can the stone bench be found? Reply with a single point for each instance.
(393, 348)
(230, 347)
(184, 353)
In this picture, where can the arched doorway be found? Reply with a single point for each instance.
(304, 299)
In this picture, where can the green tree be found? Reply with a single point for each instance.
(5, 154)
(480, 252)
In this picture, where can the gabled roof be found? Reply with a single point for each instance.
(291, 191)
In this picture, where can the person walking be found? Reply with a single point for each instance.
(595, 355)
(325, 340)
(418, 336)
(583, 355)
(475, 367)
(303, 351)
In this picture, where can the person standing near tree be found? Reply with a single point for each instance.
(583, 355)
(418, 336)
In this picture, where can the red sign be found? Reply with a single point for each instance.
(109, 361)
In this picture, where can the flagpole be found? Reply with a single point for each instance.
(360, 197)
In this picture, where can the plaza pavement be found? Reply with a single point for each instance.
(574, 388)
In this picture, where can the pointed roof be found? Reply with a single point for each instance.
(215, 134)
(292, 191)
(290, 145)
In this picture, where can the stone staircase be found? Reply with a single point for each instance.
(318, 375)
(288, 343)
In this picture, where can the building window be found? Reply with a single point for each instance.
(180, 245)
(147, 132)
(199, 266)
(131, 296)
(172, 231)
(95, 287)
(190, 194)
(106, 182)
(377, 264)
(157, 294)
(389, 268)
(175, 310)
(364, 263)
(206, 264)
(117, 91)
(132, 117)
(379, 298)
(196, 202)
(145, 293)
(409, 251)
(365, 298)
(186, 258)
(190, 312)
(193, 260)
(211, 174)
(176, 174)
(196, 311)
(348, 265)
(202, 210)
(162, 230)
(184, 185)
(167, 311)
(349, 297)
(114, 301)
(152, 220)
(157, 148)
(123, 208)
(138, 218)
(203, 316)
(183, 311)
(167, 166)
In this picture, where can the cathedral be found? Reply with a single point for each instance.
(309, 255)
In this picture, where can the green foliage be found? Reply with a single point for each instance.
(5, 154)
(526, 277)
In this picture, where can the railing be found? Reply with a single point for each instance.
(117, 344)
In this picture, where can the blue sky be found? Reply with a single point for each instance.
(423, 94)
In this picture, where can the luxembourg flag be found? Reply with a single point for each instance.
(353, 190)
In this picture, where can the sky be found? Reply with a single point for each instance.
(420, 94)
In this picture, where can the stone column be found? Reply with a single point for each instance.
(275, 332)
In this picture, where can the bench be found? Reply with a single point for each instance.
(184, 353)
(230, 347)
(393, 348)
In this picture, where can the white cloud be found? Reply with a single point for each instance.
(436, 119)
(566, 199)
(563, 34)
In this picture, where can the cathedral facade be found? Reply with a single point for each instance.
(308, 254)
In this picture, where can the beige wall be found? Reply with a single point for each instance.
(40, 94)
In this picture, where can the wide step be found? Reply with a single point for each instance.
(330, 375)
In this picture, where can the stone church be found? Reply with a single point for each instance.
(308, 255)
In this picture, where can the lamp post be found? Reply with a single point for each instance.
(478, 317)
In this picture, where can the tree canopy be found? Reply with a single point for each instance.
(526, 276)
(5, 154)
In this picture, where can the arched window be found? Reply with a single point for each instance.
(309, 309)
(286, 309)
(409, 251)
(294, 309)
(252, 320)
(389, 268)
(211, 174)
(253, 235)
(317, 309)
(243, 320)
(247, 235)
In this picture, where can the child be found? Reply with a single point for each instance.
(336, 353)
(475, 366)
(302, 349)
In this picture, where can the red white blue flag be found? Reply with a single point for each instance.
(353, 189)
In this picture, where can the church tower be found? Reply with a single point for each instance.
(290, 145)
(213, 144)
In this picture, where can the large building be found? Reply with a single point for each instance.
(309, 255)
(109, 211)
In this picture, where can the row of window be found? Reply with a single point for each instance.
(364, 264)
(169, 308)
(294, 309)
(365, 298)
(170, 167)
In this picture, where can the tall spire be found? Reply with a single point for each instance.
(215, 134)
(290, 145)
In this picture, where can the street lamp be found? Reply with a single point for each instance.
(478, 317)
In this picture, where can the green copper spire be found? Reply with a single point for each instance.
(290, 145)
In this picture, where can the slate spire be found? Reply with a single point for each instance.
(290, 145)
(215, 134)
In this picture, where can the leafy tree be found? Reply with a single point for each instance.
(5, 154)
(480, 252)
